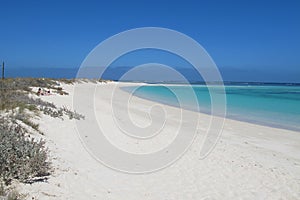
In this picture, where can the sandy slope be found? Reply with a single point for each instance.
(248, 162)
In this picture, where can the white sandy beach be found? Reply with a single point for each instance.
(248, 162)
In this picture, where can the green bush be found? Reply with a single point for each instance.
(22, 157)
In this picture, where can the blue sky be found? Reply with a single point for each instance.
(245, 38)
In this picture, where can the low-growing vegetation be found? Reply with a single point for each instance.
(24, 158)
(60, 112)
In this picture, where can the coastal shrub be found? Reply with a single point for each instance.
(59, 113)
(22, 157)
(72, 114)
(52, 112)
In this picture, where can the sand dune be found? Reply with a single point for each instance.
(248, 162)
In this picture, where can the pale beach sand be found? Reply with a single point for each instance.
(248, 162)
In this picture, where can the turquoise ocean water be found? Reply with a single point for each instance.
(271, 105)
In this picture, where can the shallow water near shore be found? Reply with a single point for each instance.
(273, 105)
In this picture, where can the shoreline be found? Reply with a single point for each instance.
(255, 122)
(232, 117)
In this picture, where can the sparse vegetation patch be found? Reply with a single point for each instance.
(23, 157)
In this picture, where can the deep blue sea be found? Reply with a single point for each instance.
(271, 105)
